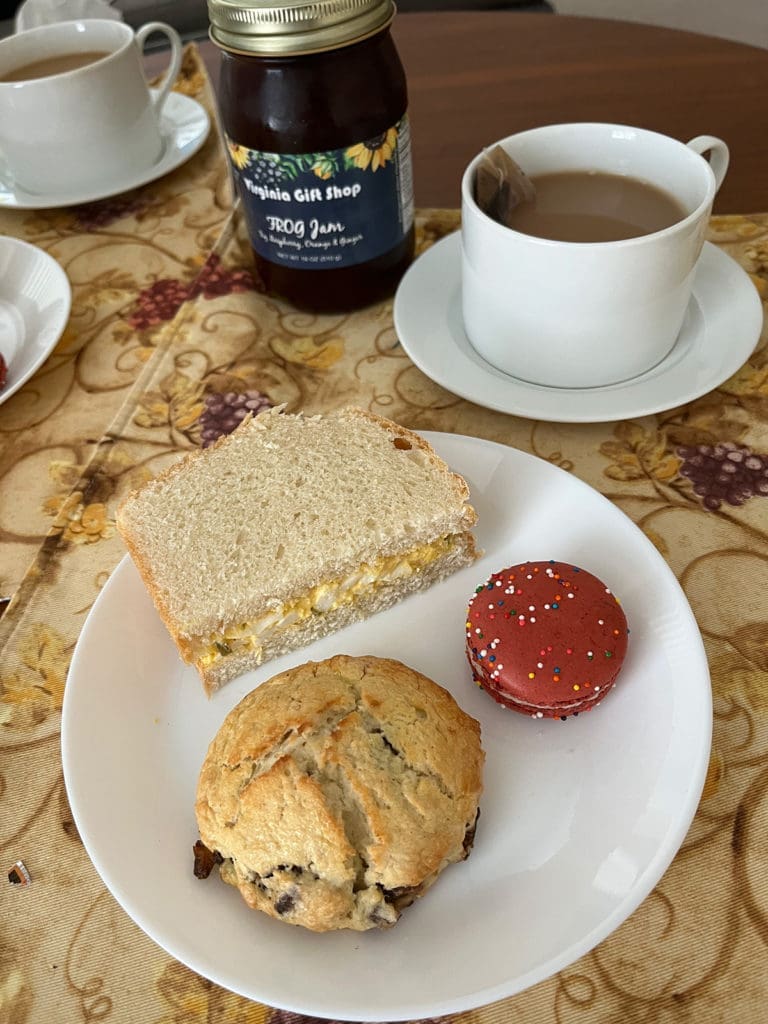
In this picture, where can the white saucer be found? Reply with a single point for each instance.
(720, 331)
(184, 126)
(34, 307)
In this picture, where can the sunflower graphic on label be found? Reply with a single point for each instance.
(327, 209)
(374, 153)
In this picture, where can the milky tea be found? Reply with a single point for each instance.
(594, 206)
(54, 65)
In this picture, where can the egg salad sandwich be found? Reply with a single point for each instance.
(290, 528)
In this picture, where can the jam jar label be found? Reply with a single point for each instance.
(315, 211)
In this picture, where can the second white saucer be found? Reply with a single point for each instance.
(720, 331)
(184, 126)
(35, 299)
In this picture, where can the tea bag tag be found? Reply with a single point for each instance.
(501, 185)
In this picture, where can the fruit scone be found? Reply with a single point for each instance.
(336, 792)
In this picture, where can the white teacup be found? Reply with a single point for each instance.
(585, 314)
(75, 129)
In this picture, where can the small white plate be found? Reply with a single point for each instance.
(578, 822)
(184, 126)
(721, 329)
(34, 307)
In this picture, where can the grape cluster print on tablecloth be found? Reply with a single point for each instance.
(160, 301)
(224, 412)
(725, 472)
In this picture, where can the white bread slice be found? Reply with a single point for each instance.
(285, 504)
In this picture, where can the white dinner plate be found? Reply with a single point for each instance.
(35, 298)
(721, 328)
(579, 819)
(184, 127)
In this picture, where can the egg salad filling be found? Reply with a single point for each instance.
(324, 598)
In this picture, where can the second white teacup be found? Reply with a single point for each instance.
(75, 108)
(586, 314)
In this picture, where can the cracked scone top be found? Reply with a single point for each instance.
(335, 793)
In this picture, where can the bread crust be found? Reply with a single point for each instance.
(337, 792)
(416, 441)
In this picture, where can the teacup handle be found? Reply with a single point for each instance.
(718, 155)
(175, 62)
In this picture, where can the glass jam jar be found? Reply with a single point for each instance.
(313, 103)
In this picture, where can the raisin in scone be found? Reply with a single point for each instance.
(335, 793)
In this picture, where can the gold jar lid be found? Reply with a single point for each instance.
(275, 27)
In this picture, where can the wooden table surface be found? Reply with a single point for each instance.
(477, 76)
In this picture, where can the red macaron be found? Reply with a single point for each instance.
(547, 639)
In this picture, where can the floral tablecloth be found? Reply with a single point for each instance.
(170, 338)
